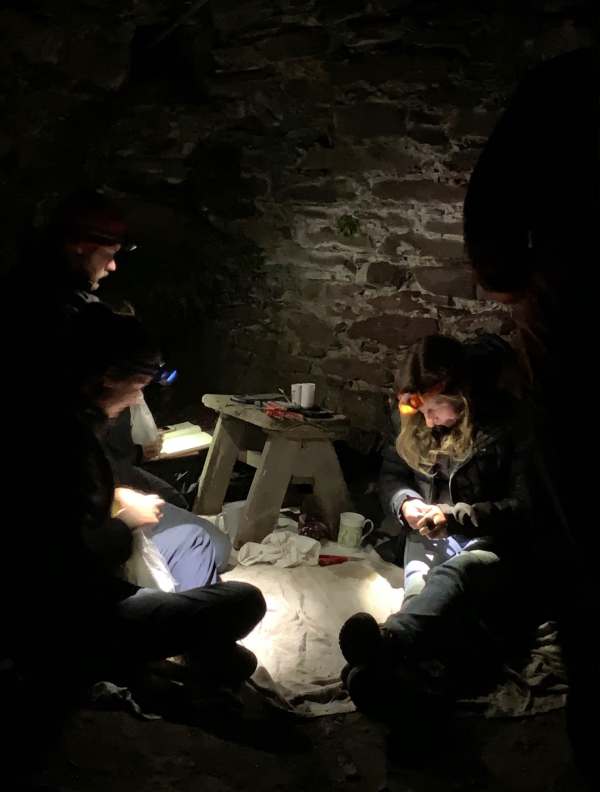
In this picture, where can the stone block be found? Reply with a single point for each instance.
(393, 330)
(440, 248)
(376, 69)
(382, 273)
(401, 302)
(470, 123)
(450, 281)
(352, 368)
(419, 190)
(370, 119)
(454, 227)
(464, 161)
(357, 159)
(432, 136)
(312, 193)
(310, 328)
(309, 41)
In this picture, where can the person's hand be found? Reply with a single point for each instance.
(433, 523)
(152, 450)
(136, 509)
(412, 511)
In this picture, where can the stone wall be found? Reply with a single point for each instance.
(294, 170)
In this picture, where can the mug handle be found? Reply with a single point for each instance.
(364, 536)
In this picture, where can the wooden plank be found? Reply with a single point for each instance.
(252, 458)
(335, 427)
(329, 489)
(268, 489)
(218, 466)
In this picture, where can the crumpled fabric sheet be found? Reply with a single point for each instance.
(107, 695)
(281, 548)
(297, 642)
(540, 686)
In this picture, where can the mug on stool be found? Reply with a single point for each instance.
(352, 529)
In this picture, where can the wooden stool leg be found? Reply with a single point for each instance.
(218, 466)
(268, 489)
(329, 489)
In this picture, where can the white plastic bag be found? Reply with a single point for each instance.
(144, 431)
(146, 567)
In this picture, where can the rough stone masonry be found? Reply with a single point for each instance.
(294, 170)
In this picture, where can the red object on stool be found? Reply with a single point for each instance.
(278, 411)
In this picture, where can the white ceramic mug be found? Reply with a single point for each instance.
(303, 394)
(307, 398)
(352, 529)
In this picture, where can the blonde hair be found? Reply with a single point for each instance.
(421, 448)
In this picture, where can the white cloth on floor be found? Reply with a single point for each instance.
(281, 548)
(297, 641)
(540, 685)
(107, 695)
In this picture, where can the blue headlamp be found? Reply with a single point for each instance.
(165, 375)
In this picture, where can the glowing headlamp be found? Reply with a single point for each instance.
(411, 405)
(165, 375)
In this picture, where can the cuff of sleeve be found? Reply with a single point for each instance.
(398, 506)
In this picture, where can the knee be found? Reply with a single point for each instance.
(468, 574)
(220, 541)
(474, 567)
(250, 600)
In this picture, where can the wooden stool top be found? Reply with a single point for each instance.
(309, 429)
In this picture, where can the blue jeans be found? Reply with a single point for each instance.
(464, 602)
(194, 549)
(421, 555)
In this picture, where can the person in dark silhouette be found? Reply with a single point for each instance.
(530, 220)
(69, 616)
(59, 273)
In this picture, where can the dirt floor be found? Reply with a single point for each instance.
(265, 751)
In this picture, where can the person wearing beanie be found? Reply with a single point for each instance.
(76, 249)
(65, 263)
(70, 617)
(457, 482)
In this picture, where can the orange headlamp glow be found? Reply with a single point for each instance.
(409, 404)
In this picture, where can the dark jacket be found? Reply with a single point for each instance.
(124, 456)
(532, 200)
(488, 492)
(66, 550)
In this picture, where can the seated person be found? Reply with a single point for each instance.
(127, 457)
(69, 618)
(497, 371)
(101, 622)
(181, 537)
(457, 483)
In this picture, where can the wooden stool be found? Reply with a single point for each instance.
(288, 449)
